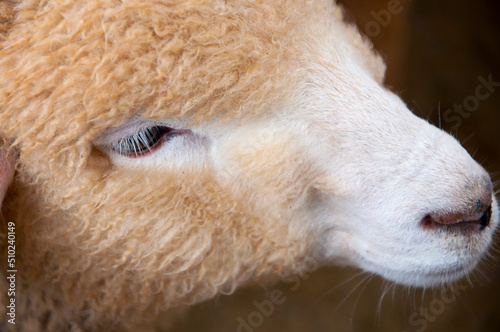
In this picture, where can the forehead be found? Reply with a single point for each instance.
(104, 61)
(169, 57)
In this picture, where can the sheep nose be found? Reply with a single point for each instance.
(475, 216)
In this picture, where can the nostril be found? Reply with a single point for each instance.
(485, 218)
(467, 219)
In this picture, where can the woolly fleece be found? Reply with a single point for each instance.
(101, 248)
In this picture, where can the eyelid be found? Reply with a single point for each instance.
(145, 141)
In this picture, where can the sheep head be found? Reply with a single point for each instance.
(173, 150)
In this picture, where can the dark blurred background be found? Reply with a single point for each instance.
(436, 52)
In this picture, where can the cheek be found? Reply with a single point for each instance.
(137, 216)
(182, 223)
(276, 174)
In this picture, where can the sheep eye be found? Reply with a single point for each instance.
(144, 141)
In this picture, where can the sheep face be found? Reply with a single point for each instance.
(340, 158)
(174, 150)
(373, 185)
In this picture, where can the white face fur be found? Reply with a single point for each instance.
(387, 191)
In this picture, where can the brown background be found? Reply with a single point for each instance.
(435, 51)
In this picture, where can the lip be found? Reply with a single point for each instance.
(472, 223)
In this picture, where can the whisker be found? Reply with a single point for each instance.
(331, 290)
(351, 292)
(359, 297)
(379, 306)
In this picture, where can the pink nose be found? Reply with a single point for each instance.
(472, 217)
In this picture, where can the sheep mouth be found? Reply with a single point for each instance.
(460, 225)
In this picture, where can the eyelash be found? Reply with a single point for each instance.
(144, 141)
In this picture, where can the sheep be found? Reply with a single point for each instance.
(169, 151)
